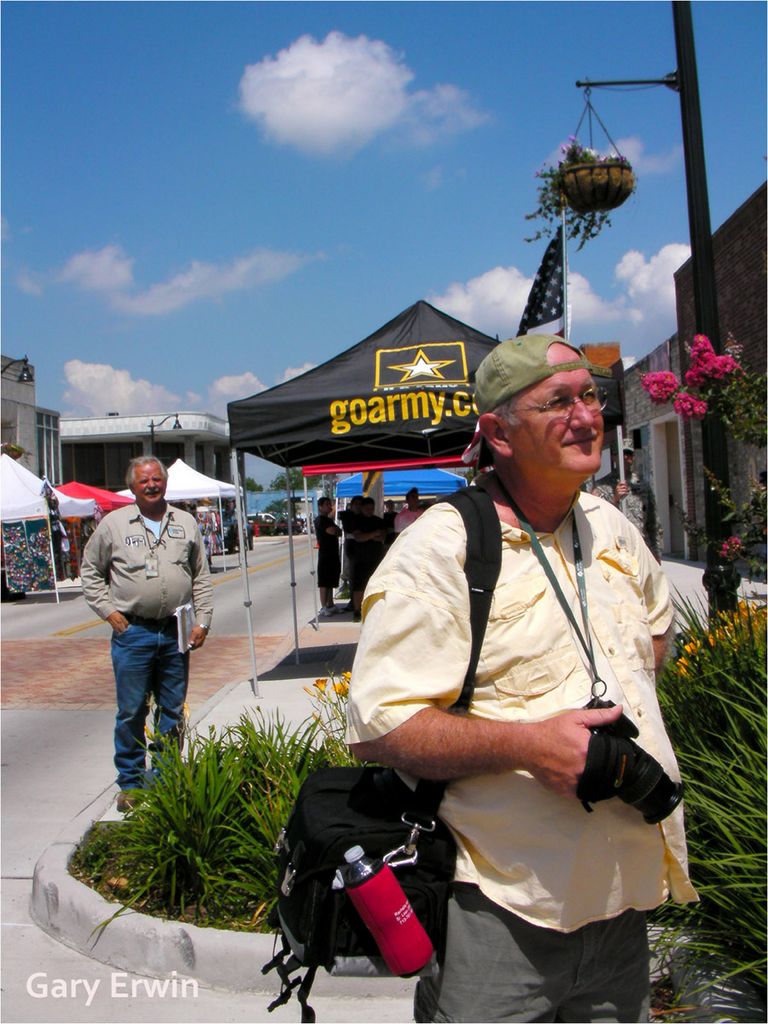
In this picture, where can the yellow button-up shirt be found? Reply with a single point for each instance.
(536, 853)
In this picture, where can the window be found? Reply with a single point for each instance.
(48, 448)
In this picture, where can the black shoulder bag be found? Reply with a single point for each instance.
(337, 808)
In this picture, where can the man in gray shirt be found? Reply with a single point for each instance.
(142, 563)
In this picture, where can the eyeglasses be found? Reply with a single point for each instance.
(594, 399)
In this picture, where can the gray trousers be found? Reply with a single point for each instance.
(499, 967)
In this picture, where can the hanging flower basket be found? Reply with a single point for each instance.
(597, 187)
(584, 187)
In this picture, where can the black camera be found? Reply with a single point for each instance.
(617, 766)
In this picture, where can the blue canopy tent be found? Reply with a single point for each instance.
(397, 482)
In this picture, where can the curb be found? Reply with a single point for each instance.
(71, 913)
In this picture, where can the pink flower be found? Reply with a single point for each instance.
(660, 386)
(688, 407)
(706, 365)
(730, 549)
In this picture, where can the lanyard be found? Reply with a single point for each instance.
(155, 542)
(598, 686)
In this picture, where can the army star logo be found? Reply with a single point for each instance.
(422, 367)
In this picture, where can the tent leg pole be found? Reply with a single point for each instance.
(53, 561)
(293, 568)
(310, 533)
(254, 680)
(221, 527)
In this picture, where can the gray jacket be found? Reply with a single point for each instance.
(114, 574)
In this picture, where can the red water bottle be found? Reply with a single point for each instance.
(380, 901)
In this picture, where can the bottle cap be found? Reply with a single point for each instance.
(354, 853)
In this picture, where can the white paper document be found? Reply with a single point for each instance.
(185, 617)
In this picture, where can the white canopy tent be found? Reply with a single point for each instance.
(22, 497)
(186, 484)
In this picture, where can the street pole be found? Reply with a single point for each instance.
(721, 581)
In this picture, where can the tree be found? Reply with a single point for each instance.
(252, 485)
(296, 480)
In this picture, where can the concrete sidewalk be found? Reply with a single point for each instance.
(56, 969)
(66, 972)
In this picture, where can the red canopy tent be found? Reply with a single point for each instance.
(107, 500)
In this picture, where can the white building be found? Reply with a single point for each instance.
(97, 449)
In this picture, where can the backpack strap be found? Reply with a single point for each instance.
(286, 964)
(481, 567)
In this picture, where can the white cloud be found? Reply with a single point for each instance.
(210, 281)
(650, 284)
(647, 163)
(295, 371)
(339, 94)
(440, 112)
(643, 314)
(109, 271)
(494, 302)
(29, 283)
(229, 389)
(101, 270)
(93, 389)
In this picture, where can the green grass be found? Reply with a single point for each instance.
(713, 697)
(199, 847)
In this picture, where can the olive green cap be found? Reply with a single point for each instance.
(517, 364)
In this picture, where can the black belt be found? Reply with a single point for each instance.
(139, 620)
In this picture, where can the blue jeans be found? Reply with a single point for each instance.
(146, 660)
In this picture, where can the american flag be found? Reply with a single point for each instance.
(544, 310)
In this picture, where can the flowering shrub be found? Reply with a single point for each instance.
(581, 226)
(329, 699)
(719, 384)
(661, 386)
(731, 549)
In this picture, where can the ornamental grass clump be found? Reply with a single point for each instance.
(713, 697)
(200, 845)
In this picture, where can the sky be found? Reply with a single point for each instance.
(202, 200)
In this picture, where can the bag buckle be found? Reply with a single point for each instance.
(288, 879)
(407, 854)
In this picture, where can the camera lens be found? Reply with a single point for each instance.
(617, 766)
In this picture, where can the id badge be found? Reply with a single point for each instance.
(151, 566)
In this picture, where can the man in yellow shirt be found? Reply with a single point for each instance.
(546, 921)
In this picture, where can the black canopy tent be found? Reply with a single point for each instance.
(403, 392)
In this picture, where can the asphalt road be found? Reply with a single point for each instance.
(269, 585)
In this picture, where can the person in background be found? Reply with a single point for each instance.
(349, 518)
(389, 521)
(635, 498)
(410, 512)
(328, 561)
(143, 562)
(370, 535)
(546, 921)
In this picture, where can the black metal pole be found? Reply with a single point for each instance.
(721, 581)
